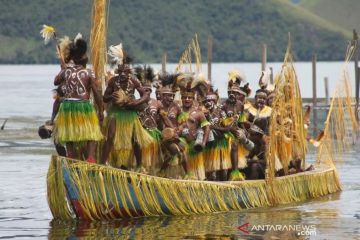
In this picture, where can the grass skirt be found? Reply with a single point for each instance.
(217, 154)
(128, 130)
(151, 155)
(242, 154)
(195, 160)
(76, 121)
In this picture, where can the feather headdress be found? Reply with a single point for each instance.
(78, 48)
(64, 47)
(145, 74)
(234, 80)
(117, 54)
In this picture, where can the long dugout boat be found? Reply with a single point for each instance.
(80, 190)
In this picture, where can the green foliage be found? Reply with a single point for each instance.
(148, 29)
(344, 13)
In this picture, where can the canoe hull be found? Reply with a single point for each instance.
(94, 192)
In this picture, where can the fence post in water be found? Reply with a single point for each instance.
(314, 100)
(263, 57)
(163, 63)
(209, 56)
(326, 83)
(356, 61)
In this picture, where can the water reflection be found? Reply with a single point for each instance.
(210, 226)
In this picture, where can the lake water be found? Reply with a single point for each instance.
(26, 100)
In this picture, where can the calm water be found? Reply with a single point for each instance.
(25, 98)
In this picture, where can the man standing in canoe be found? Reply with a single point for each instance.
(76, 123)
(125, 136)
(194, 127)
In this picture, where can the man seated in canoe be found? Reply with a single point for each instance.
(150, 118)
(172, 148)
(125, 136)
(77, 121)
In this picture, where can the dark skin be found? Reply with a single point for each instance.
(78, 82)
(214, 112)
(233, 106)
(196, 116)
(127, 83)
(257, 167)
(169, 113)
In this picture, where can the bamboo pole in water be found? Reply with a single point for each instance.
(264, 57)
(326, 85)
(163, 63)
(209, 56)
(314, 94)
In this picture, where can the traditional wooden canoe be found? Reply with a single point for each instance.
(80, 190)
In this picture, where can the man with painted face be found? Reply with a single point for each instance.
(172, 148)
(125, 136)
(260, 113)
(235, 117)
(194, 128)
(150, 120)
(217, 152)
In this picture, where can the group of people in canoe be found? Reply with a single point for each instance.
(185, 132)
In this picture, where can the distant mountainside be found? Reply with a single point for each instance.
(344, 13)
(150, 28)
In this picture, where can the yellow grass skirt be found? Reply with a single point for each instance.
(195, 160)
(76, 121)
(128, 130)
(217, 154)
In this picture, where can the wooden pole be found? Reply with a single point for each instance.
(263, 57)
(326, 85)
(314, 94)
(209, 55)
(163, 63)
(271, 75)
(356, 62)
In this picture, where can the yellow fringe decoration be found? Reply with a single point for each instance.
(98, 40)
(101, 188)
(341, 122)
(56, 192)
(287, 121)
(191, 51)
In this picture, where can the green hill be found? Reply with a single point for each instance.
(150, 28)
(344, 13)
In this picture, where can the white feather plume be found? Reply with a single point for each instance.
(78, 36)
(116, 52)
(265, 78)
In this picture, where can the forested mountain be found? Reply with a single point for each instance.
(149, 28)
(344, 13)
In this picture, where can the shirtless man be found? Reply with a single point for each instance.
(259, 118)
(125, 134)
(218, 151)
(194, 130)
(150, 119)
(77, 121)
(169, 113)
(235, 117)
